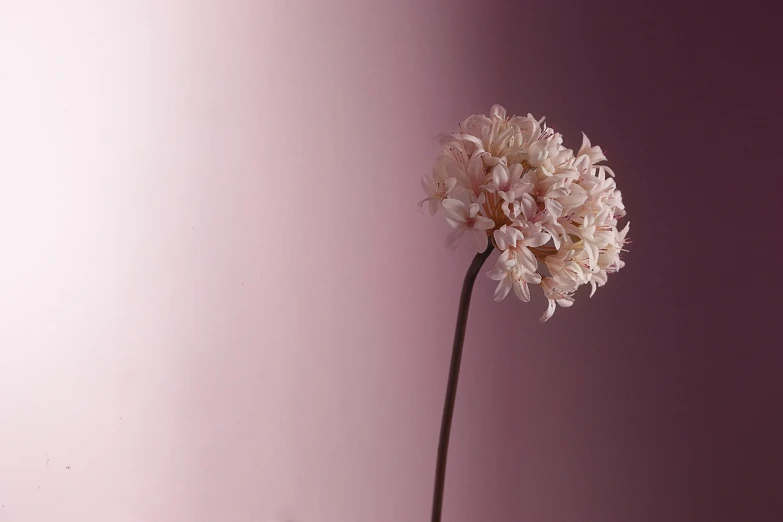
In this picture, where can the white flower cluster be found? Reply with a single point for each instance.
(511, 180)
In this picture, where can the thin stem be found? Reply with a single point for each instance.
(451, 388)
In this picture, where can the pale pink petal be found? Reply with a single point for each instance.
(503, 288)
(555, 240)
(483, 223)
(475, 167)
(497, 112)
(526, 258)
(515, 172)
(585, 145)
(421, 204)
(455, 209)
(497, 274)
(457, 222)
(537, 240)
(453, 237)
(550, 310)
(554, 207)
(500, 238)
(522, 291)
(533, 278)
(426, 183)
(452, 215)
(529, 207)
(500, 175)
(472, 139)
(507, 259)
(480, 239)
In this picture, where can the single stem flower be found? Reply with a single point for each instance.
(511, 179)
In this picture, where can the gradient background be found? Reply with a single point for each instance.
(219, 303)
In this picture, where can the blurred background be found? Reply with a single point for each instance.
(219, 302)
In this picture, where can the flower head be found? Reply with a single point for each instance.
(510, 180)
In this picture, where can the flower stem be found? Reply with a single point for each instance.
(451, 388)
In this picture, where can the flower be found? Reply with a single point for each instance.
(438, 187)
(555, 294)
(512, 274)
(510, 180)
(509, 184)
(465, 219)
(594, 153)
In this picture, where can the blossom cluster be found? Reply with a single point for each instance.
(551, 212)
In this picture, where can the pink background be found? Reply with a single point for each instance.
(219, 303)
